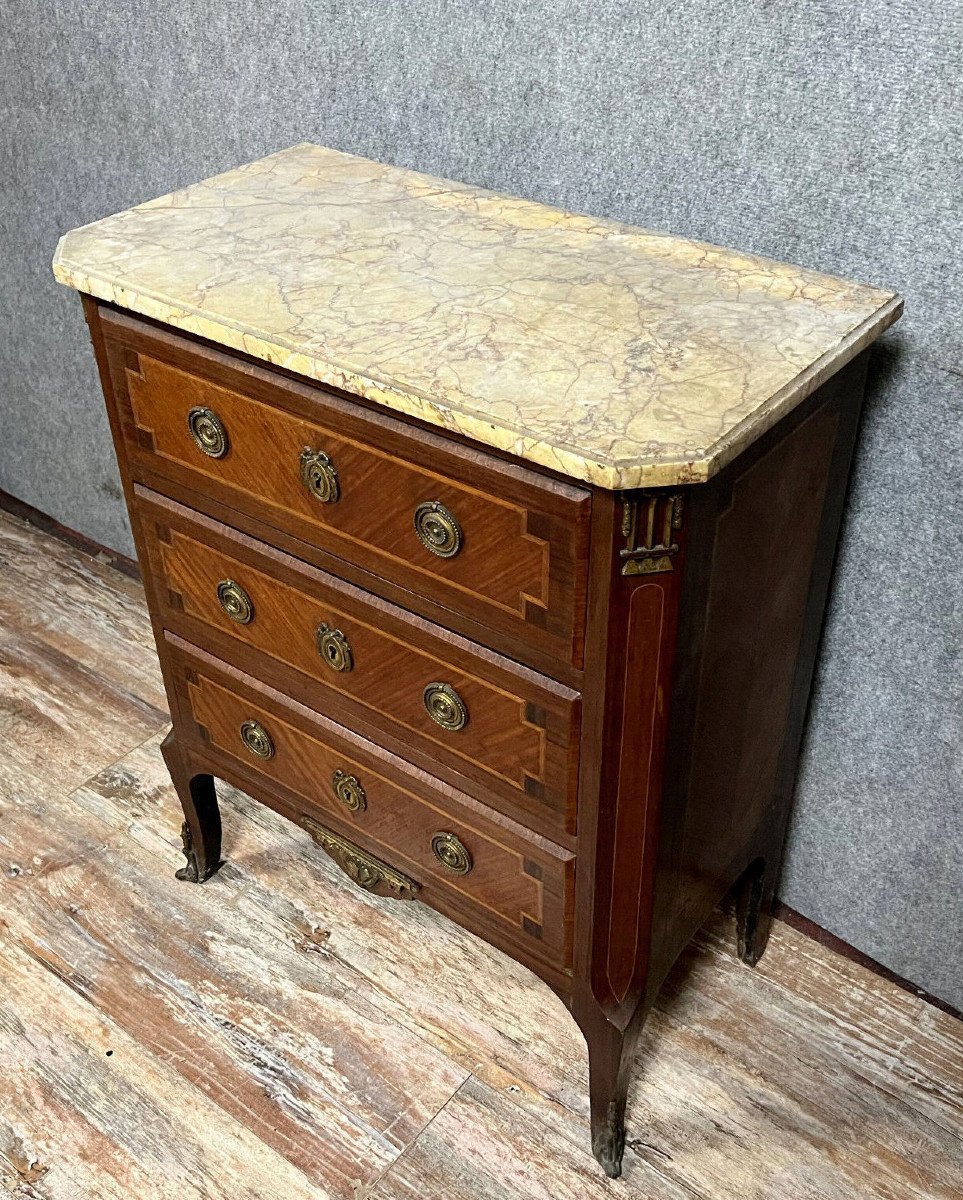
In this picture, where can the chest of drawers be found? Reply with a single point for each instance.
(488, 544)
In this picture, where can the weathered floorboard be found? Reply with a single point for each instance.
(79, 608)
(279, 1032)
(297, 1054)
(86, 1112)
(733, 1068)
(79, 685)
(482, 1146)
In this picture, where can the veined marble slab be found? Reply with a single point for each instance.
(609, 353)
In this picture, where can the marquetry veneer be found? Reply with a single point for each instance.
(596, 888)
(519, 747)
(521, 567)
(517, 889)
(516, 613)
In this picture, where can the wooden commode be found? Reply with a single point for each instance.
(488, 543)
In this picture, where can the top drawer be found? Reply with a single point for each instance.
(500, 544)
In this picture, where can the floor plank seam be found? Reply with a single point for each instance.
(855, 1061)
(116, 762)
(30, 878)
(113, 835)
(170, 1062)
(376, 1182)
(149, 1060)
(785, 991)
(64, 664)
(175, 1060)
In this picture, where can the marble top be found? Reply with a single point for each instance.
(609, 353)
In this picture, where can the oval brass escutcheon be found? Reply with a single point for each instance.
(451, 853)
(235, 601)
(207, 430)
(319, 476)
(334, 648)
(257, 739)
(445, 707)
(349, 791)
(437, 529)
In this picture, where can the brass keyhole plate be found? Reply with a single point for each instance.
(334, 648)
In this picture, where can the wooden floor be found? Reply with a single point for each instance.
(279, 1033)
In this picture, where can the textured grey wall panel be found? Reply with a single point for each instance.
(877, 845)
(824, 133)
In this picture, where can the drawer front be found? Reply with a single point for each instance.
(513, 733)
(496, 542)
(466, 858)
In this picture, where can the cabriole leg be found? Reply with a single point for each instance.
(611, 1053)
(754, 901)
(201, 831)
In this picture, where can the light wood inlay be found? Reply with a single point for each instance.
(521, 741)
(388, 675)
(639, 753)
(500, 562)
(398, 824)
(520, 568)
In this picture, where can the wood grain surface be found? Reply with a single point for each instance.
(279, 1033)
(521, 562)
(516, 878)
(521, 739)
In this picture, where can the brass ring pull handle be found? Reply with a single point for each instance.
(445, 707)
(334, 648)
(235, 601)
(451, 853)
(207, 430)
(349, 791)
(257, 739)
(319, 476)
(437, 529)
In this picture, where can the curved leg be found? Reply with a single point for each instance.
(201, 831)
(756, 892)
(610, 1067)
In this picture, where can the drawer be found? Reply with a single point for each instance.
(490, 873)
(497, 728)
(491, 541)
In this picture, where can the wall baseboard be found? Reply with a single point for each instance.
(128, 566)
(40, 520)
(804, 925)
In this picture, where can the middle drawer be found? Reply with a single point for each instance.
(481, 721)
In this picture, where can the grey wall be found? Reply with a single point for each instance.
(817, 131)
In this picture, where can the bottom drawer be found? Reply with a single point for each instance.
(491, 874)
